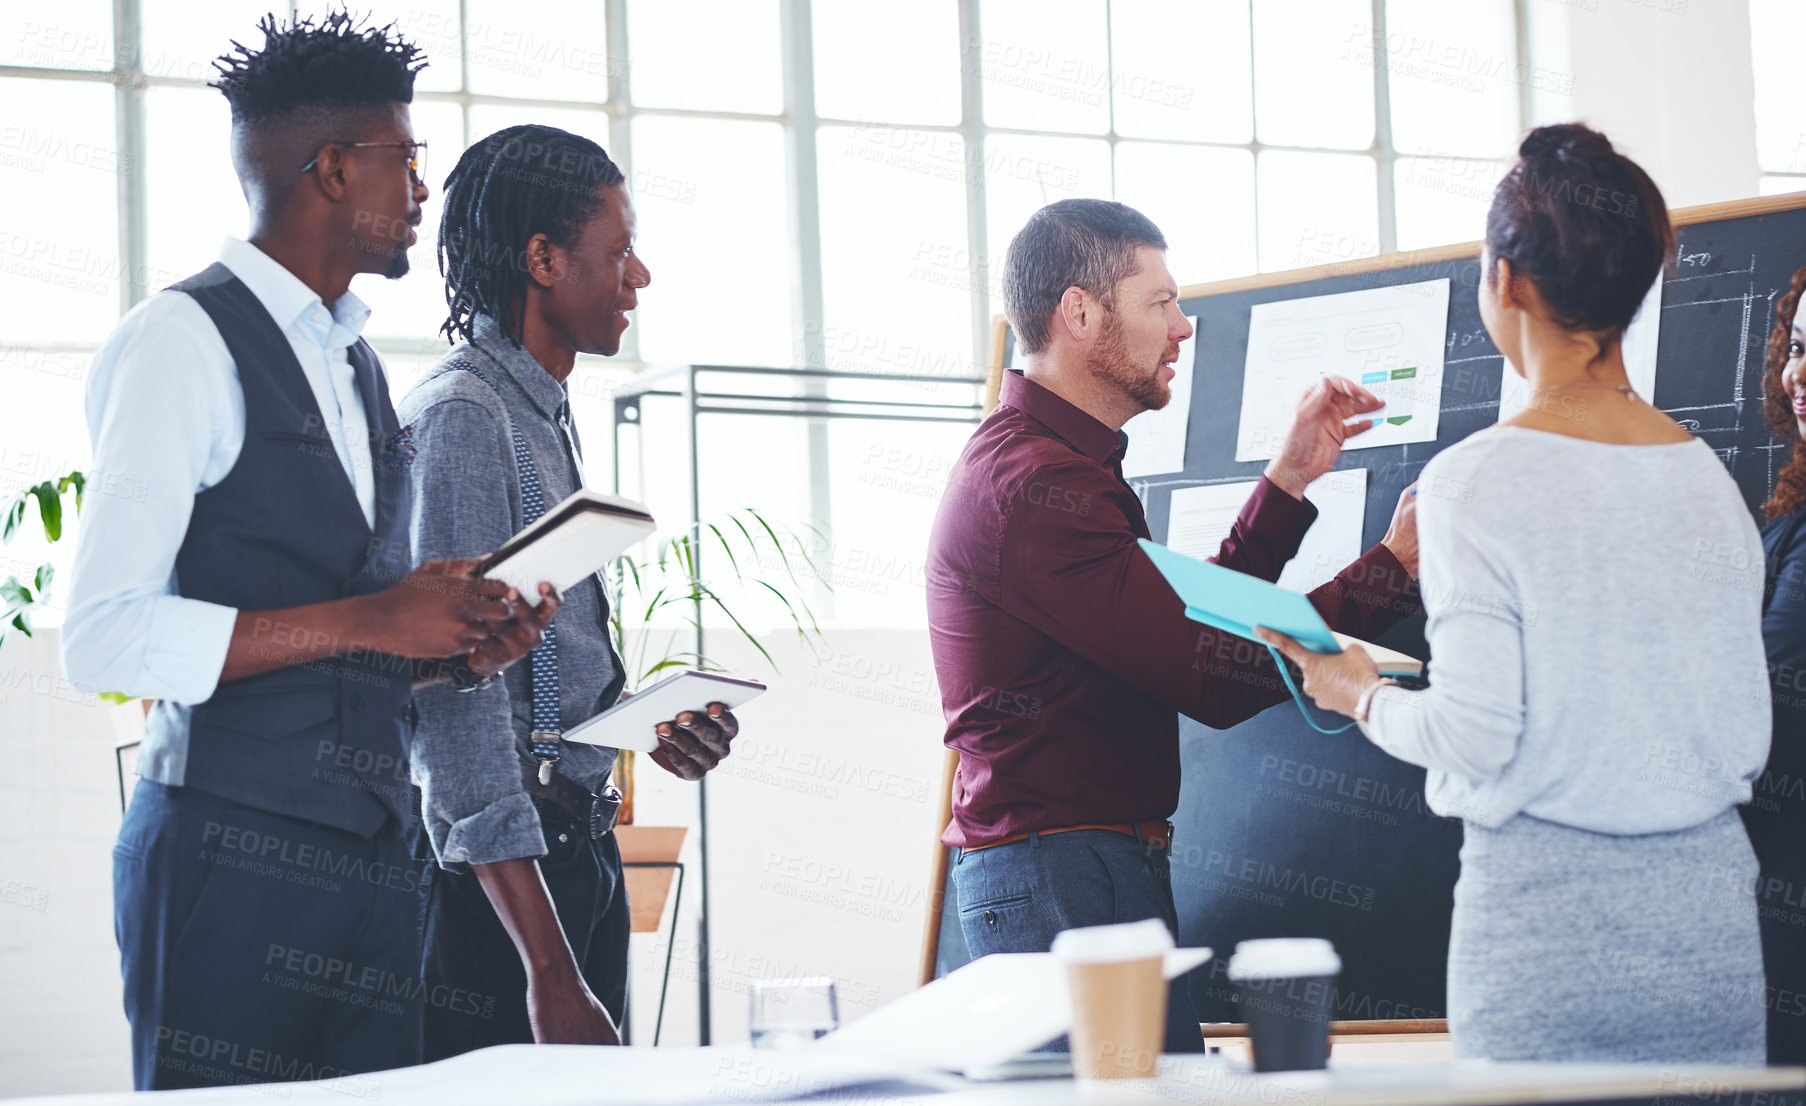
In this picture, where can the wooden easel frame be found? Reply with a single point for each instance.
(1461, 251)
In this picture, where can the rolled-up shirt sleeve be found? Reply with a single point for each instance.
(165, 421)
(474, 806)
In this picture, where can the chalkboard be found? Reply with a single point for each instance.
(1283, 831)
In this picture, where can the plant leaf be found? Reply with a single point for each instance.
(77, 480)
(50, 509)
(15, 515)
(45, 572)
(729, 550)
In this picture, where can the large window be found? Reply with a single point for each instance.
(818, 182)
(1777, 27)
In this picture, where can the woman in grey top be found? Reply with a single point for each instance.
(1599, 701)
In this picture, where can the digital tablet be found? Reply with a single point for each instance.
(630, 724)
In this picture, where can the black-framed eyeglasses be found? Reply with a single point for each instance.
(416, 156)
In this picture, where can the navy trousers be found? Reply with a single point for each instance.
(470, 962)
(1017, 897)
(257, 948)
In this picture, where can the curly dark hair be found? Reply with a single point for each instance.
(1777, 406)
(334, 62)
(518, 182)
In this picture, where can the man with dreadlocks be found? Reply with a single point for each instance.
(247, 566)
(525, 902)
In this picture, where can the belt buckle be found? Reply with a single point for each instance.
(604, 812)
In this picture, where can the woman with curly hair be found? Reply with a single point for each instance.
(1776, 815)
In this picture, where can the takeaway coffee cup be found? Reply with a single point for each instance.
(1287, 990)
(1118, 997)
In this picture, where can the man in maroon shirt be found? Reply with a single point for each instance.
(1063, 656)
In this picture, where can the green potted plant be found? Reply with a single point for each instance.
(19, 598)
(741, 551)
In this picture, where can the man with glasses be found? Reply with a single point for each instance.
(244, 561)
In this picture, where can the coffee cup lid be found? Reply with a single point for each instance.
(1112, 943)
(1284, 957)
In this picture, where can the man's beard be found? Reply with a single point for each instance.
(398, 264)
(1111, 361)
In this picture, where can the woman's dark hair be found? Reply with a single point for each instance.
(1585, 224)
(1777, 405)
(505, 189)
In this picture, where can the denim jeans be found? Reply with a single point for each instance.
(476, 989)
(1016, 897)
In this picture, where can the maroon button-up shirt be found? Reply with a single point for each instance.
(1062, 654)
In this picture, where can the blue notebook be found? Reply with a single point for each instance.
(1236, 603)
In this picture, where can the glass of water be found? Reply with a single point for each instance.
(791, 1012)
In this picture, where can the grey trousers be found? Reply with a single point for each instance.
(1579, 946)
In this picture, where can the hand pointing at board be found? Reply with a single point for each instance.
(1320, 425)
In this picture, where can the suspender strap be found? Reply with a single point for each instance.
(544, 658)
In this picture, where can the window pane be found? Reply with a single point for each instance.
(719, 55)
(710, 195)
(1199, 198)
(59, 249)
(73, 34)
(1452, 76)
(192, 197)
(885, 479)
(182, 37)
(413, 307)
(1316, 209)
(1181, 69)
(431, 25)
(1044, 65)
(486, 119)
(538, 49)
(1313, 73)
(893, 230)
(1025, 173)
(1777, 28)
(890, 62)
(1443, 200)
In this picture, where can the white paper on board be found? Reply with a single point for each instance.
(1389, 340)
(1640, 339)
(1199, 518)
(1157, 438)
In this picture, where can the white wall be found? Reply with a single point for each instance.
(61, 1024)
(1668, 80)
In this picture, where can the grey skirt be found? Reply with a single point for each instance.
(1573, 945)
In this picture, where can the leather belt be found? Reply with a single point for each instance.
(1158, 834)
(597, 812)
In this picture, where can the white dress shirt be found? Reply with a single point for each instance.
(166, 417)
